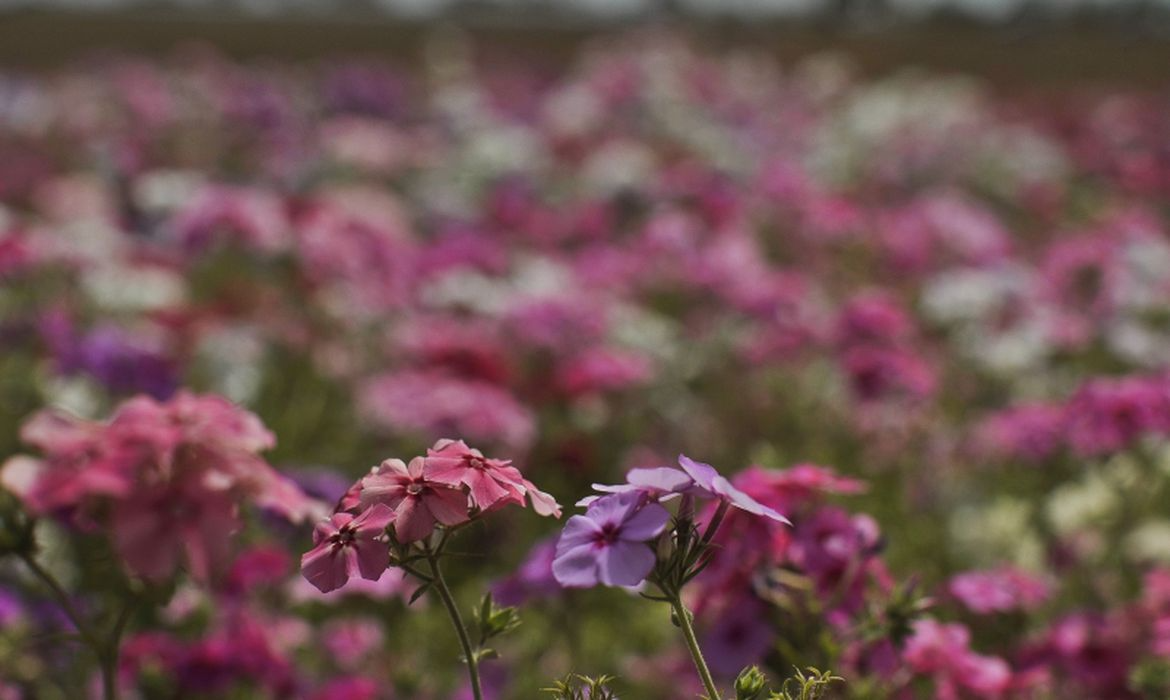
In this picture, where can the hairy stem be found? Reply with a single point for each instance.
(684, 621)
(440, 585)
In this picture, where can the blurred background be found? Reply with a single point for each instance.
(1009, 41)
(901, 266)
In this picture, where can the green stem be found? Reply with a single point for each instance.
(684, 621)
(105, 651)
(457, 620)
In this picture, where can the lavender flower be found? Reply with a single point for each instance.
(608, 544)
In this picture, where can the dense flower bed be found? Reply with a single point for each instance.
(922, 329)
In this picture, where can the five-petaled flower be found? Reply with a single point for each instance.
(608, 543)
(347, 546)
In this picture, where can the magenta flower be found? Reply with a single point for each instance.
(418, 500)
(490, 481)
(607, 544)
(346, 547)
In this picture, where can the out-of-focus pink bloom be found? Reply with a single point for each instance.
(835, 549)
(1090, 653)
(347, 547)
(601, 370)
(179, 471)
(419, 501)
(263, 565)
(877, 373)
(943, 652)
(1108, 415)
(1002, 590)
(1029, 432)
(740, 636)
(435, 403)
(246, 217)
(456, 346)
(873, 318)
(350, 641)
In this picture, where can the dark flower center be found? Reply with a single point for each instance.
(344, 537)
(608, 535)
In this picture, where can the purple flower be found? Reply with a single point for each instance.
(607, 544)
(711, 483)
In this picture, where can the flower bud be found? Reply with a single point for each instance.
(750, 684)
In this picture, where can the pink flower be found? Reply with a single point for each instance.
(166, 478)
(1031, 432)
(490, 481)
(432, 401)
(943, 652)
(1004, 590)
(1107, 415)
(419, 501)
(346, 547)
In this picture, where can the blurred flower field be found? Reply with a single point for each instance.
(921, 326)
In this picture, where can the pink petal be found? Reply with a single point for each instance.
(449, 506)
(373, 520)
(414, 521)
(372, 557)
(485, 491)
(322, 569)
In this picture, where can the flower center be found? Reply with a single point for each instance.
(344, 537)
(415, 488)
(475, 463)
(608, 535)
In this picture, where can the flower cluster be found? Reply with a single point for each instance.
(448, 487)
(165, 480)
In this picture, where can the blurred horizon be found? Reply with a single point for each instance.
(1007, 42)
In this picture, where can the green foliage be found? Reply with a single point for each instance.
(578, 687)
(492, 621)
(810, 684)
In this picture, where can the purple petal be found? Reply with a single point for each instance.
(624, 563)
(703, 474)
(576, 567)
(614, 508)
(744, 502)
(646, 524)
(665, 479)
(579, 530)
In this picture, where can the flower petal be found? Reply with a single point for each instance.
(624, 563)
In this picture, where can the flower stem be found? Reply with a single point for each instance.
(684, 621)
(105, 651)
(457, 620)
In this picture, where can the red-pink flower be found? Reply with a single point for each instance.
(418, 500)
(347, 546)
